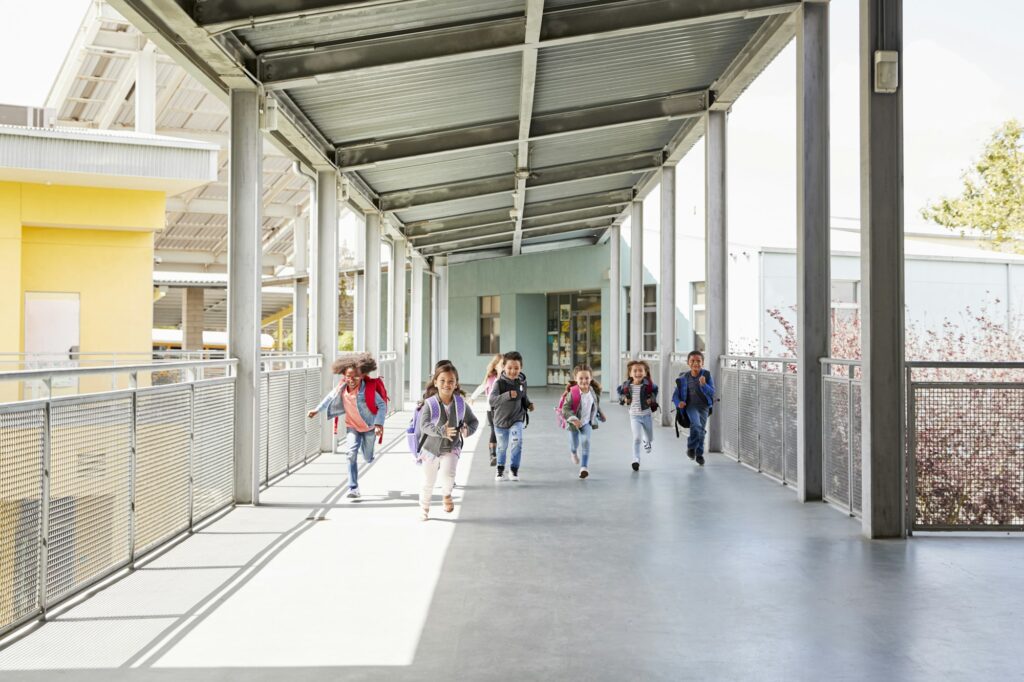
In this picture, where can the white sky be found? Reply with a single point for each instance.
(963, 78)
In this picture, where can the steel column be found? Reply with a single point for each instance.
(441, 267)
(245, 224)
(613, 363)
(145, 90)
(881, 181)
(396, 339)
(667, 289)
(326, 285)
(717, 246)
(813, 240)
(416, 331)
(300, 292)
(371, 284)
(636, 278)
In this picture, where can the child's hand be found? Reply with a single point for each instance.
(702, 380)
(312, 413)
(602, 417)
(378, 430)
(530, 407)
(575, 421)
(450, 432)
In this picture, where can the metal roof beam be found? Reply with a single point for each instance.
(674, 106)
(309, 65)
(220, 207)
(221, 15)
(527, 87)
(539, 177)
(443, 243)
(422, 228)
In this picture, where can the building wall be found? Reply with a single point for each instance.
(523, 283)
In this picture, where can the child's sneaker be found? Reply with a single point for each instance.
(647, 446)
(515, 474)
(691, 453)
(494, 459)
(353, 494)
(500, 475)
(575, 458)
(700, 460)
(424, 514)
(636, 465)
(583, 472)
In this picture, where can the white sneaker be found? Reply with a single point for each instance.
(583, 472)
(514, 476)
(647, 446)
(500, 476)
(424, 514)
(575, 458)
(353, 494)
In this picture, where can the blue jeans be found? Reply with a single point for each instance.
(698, 415)
(579, 442)
(515, 434)
(354, 442)
(642, 427)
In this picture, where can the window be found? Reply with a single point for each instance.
(699, 315)
(490, 324)
(650, 330)
(845, 302)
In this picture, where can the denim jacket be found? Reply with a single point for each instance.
(707, 390)
(333, 401)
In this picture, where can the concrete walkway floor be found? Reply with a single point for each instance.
(673, 573)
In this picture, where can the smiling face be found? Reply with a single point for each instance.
(583, 379)
(637, 373)
(513, 368)
(695, 362)
(352, 378)
(446, 383)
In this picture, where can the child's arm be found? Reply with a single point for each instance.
(709, 388)
(382, 409)
(479, 391)
(325, 402)
(470, 422)
(427, 425)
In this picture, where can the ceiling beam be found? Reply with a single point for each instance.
(527, 87)
(506, 184)
(310, 65)
(444, 244)
(220, 207)
(674, 106)
(221, 15)
(167, 256)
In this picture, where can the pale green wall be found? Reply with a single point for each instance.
(523, 283)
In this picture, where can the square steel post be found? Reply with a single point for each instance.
(441, 267)
(813, 240)
(300, 292)
(717, 254)
(636, 279)
(612, 365)
(399, 253)
(245, 225)
(667, 290)
(417, 334)
(371, 284)
(881, 234)
(325, 286)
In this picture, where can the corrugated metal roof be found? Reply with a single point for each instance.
(438, 170)
(598, 144)
(453, 208)
(582, 187)
(632, 67)
(359, 22)
(414, 99)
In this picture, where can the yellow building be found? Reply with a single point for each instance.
(78, 210)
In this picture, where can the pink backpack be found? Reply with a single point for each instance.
(574, 397)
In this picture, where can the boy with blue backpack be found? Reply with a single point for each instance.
(578, 412)
(441, 423)
(694, 399)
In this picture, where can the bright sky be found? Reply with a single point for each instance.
(963, 78)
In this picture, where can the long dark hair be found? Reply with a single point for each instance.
(440, 369)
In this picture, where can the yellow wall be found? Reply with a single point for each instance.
(93, 241)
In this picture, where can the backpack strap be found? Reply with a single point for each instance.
(460, 408)
(435, 408)
(576, 397)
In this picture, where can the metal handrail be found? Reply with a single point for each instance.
(840, 361)
(921, 364)
(756, 358)
(23, 374)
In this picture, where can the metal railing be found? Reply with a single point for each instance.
(289, 389)
(90, 482)
(841, 434)
(756, 411)
(965, 446)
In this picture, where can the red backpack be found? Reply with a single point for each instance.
(374, 385)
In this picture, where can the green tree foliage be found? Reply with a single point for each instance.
(993, 194)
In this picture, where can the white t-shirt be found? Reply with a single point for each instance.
(587, 406)
(635, 408)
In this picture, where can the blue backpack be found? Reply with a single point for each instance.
(414, 437)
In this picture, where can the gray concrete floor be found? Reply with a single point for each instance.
(673, 573)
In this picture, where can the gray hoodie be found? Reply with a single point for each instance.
(436, 443)
(506, 410)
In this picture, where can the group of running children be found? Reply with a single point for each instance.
(444, 419)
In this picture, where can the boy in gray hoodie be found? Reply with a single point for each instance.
(509, 407)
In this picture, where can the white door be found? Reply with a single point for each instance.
(52, 322)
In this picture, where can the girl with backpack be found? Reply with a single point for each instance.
(640, 393)
(579, 412)
(484, 389)
(445, 420)
(362, 401)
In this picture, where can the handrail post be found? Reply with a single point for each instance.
(133, 384)
(44, 529)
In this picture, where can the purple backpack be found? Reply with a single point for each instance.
(414, 437)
